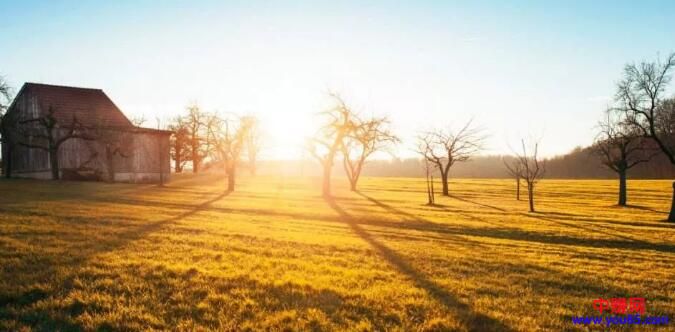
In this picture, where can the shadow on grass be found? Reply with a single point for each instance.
(512, 233)
(471, 319)
(640, 207)
(53, 265)
(477, 203)
(631, 243)
(164, 298)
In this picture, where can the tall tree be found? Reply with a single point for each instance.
(621, 148)
(444, 148)
(229, 137)
(532, 168)
(640, 95)
(365, 138)
(327, 141)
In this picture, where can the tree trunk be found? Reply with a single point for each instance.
(517, 189)
(530, 195)
(231, 178)
(177, 162)
(671, 216)
(354, 179)
(54, 162)
(622, 187)
(325, 186)
(444, 178)
(195, 161)
(426, 179)
(433, 194)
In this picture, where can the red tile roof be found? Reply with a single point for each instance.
(92, 107)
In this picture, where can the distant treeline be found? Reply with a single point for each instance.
(581, 163)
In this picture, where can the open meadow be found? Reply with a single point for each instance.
(275, 255)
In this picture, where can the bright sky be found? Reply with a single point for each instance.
(518, 68)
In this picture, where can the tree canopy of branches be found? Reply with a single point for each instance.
(327, 141)
(444, 148)
(640, 95)
(198, 125)
(5, 95)
(179, 144)
(365, 138)
(532, 168)
(46, 133)
(621, 148)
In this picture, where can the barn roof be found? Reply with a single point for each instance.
(92, 107)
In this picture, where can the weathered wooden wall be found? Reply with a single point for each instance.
(26, 159)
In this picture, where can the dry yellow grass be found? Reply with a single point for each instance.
(275, 255)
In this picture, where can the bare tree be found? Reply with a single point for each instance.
(641, 99)
(197, 123)
(428, 172)
(115, 143)
(138, 121)
(621, 148)
(532, 168)
(179, 143)
(514, 168)
(6, 123)
(327, 141)
(229, 137)
(5, 95)
(46, 133)
(444, 148)
(365, 138)
(253, 141)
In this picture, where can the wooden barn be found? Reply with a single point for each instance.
(74, 133)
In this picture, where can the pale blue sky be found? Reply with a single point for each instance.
(529, 67)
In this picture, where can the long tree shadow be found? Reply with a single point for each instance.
(523, 235)
(471, 319)
(478, 203)
(637, 242)
(413, 222)
(141, 231)
(539, 215)
(640, 207)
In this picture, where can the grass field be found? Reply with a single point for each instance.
(275, 255)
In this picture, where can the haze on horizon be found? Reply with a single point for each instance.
(518, 69)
